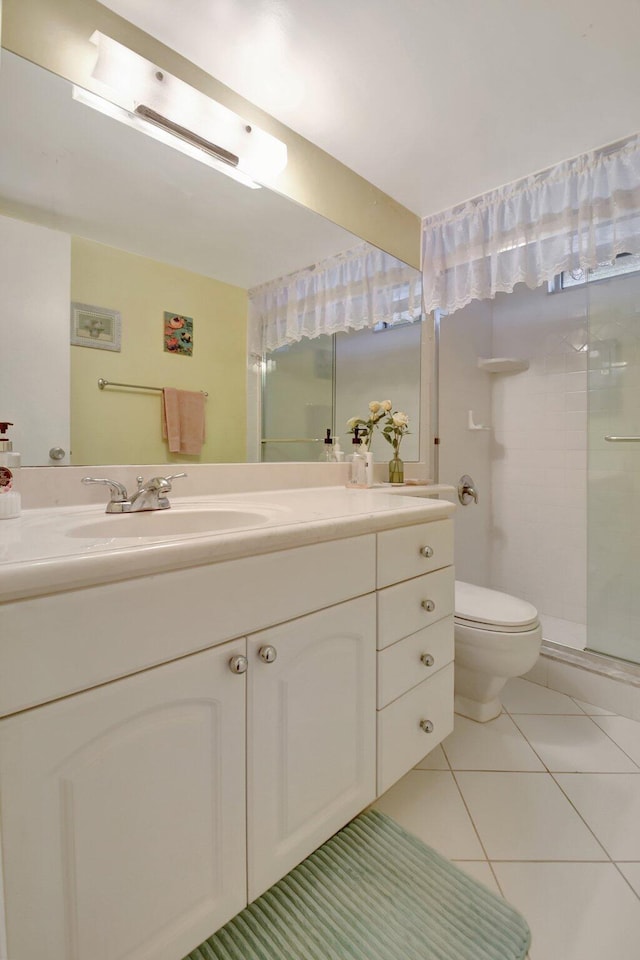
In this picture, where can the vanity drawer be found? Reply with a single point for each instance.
(400, 666)
(401, 552)
(402, 742)
(401, 611)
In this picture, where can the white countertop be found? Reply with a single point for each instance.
(46, 551)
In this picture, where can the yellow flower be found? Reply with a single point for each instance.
(386, 405)
(374, 406)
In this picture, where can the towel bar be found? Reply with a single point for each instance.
(102, 383)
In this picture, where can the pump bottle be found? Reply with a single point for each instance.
(328, 454)
(9, 470)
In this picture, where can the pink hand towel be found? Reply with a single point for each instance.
(183, 420)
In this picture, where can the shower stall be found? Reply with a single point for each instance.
(540, 402)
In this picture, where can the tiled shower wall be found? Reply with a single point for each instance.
(530, 467)
(538, 457)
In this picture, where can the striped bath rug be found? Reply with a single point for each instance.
(372, 892)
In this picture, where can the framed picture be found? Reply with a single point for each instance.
(178, 334)
(95, 327)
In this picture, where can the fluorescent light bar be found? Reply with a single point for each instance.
(139, 86)
(218, 152)
(156, 132)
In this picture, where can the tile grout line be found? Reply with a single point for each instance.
(601, 845)
(616, 743)
(598, 727)
(596, 838)
(522, 734)
(562, 791)
(476, 831)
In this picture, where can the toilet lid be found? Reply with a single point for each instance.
(480, 605)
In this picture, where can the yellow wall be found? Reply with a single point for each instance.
(117, 426)
(55, 34)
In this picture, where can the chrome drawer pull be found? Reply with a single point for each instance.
(426, 725)
(238, 664)
(428, 605)
(426, 552)
(427, 659)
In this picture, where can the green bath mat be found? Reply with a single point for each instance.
(372, 892)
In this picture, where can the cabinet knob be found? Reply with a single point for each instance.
(268, 654)
(426, 725)
(238, 664)
(426, 552)
(427, 659)
(428, 605)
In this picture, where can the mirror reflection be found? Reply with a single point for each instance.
(150, 256)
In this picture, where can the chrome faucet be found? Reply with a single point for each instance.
(151, 495)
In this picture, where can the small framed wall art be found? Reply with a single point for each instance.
(178, 334)
(96, 327)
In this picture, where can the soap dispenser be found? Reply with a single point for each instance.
(9, 469)
(328, 455)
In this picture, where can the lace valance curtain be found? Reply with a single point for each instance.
(577, 214)
(350, 291)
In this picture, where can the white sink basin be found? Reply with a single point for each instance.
(169, 523)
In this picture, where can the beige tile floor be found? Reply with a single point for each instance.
(542, 805)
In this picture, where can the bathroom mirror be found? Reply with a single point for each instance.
(94, 213)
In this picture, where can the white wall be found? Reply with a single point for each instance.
(35, 268)
(464, 337)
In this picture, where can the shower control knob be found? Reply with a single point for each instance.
(427, 659)
(426, 726)
(426, 552)
(57, 453)
(238, 664)
(428, 605)
(268, 654)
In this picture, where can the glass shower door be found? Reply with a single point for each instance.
(297, 400)
(613, 485)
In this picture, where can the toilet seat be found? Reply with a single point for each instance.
(484, 609)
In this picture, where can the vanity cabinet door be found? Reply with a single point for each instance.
(123, 828)
(311, 736)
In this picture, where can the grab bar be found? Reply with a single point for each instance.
(291, 440)
(622, 439)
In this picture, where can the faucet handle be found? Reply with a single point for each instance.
(174, 476)
(118, 490)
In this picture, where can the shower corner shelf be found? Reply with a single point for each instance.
(502, 364)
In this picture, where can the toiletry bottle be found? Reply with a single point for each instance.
(9, 470)
(368, 468)
(338, 452)
(328, 453)
(357, 462)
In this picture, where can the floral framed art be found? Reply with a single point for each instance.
(178, 334)
(97, 327)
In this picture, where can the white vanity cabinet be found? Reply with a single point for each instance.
(123, 819)
(311, 734)
(148, 792)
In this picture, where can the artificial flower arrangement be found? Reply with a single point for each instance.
(393, 430)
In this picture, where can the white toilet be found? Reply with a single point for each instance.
(496, 637)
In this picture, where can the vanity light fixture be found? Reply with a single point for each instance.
(135, 91)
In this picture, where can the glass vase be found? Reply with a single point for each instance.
(396, 470)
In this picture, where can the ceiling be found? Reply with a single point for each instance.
(433, 101)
